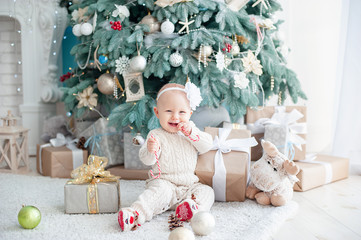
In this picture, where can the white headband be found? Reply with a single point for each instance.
(192, 91)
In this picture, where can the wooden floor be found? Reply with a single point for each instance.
(330, 212)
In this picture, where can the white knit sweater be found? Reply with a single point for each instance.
(178, 154)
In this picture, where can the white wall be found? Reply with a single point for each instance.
(312, 32)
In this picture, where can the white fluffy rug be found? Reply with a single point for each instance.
(234, 220)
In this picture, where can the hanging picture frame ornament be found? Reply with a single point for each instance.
(134, 87)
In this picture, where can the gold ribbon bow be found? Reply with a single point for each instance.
(92, 173)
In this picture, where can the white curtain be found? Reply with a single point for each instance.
(347, 135)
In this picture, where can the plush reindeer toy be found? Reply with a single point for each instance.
(272, 177)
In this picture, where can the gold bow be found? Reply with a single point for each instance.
(93, 172)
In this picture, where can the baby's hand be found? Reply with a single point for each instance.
(185, 128)
(152, 145)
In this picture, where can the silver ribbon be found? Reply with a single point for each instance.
(60, 141)
(310, 158)
(225, 146)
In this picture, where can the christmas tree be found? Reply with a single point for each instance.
(129, 49)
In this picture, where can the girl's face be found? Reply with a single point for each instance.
(172, 108)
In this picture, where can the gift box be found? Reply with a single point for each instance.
(105, 195)
(131, 153)
(320, 170)
(225, 168)
(104, 140)
(278, 135)
(256, 121)
(59, 161)
(129, 174)
(92, 189)
(232, 125)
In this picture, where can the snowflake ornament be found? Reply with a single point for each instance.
(220, 60)
(252, 64)
(240, 80)
(122, 65)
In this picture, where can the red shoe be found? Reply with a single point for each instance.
(127, 219)
(186, 210)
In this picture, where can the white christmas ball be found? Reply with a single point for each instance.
(175, 59)
(203, 223)
(235, 49)
(138, 64)
(181, 233)
(76, 30)
(206, 50)
(167, 27)
(86, 29)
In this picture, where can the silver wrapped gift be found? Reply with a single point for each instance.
(102, 197)
(106, 141)
(131, 153)
(278, 135)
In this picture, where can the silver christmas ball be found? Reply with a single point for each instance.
(86, 29)
(181, 233)
(138, 64)
(175, 59)
(203, 223)
(152, 22)
(167, 27)
(76, 30)
(106, 83)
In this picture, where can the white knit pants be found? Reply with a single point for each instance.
(161, 195)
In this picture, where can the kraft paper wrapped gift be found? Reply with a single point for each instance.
(131, 153)
(92, 189)
(256, 121)
(225, 168)
(320, 170)
(59, 161)
(106, 141)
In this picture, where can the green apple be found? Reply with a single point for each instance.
(29, 217)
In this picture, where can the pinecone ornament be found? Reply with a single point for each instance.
(81, 143)
(174, 222)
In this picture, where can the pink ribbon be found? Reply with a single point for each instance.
(259, 33)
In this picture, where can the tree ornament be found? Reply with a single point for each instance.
(116, 25)
(134, 86)
(29, 217)
(181, 233)
(165, 3)
(121, 11)
(235, 48)
(242, 39)
(185, 25)
(263, 3)
(167, 27)
(272, 83)
(240, 80)
(103, 59)
(152, 22)
(236, 5)
(138, 64)
(106, 83)
(203, 223)
(220, 60)
(87, 98)
(122, 65)
(86, 29)
(267, 23)
(175, 59)
(252, 64)
(76, 30)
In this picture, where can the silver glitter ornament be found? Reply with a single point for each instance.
(175, 59)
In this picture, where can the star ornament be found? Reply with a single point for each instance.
(252, 64)
(87, 98)
(185, 25)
